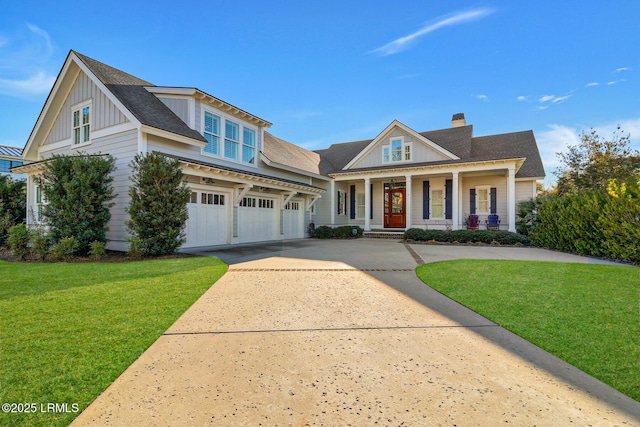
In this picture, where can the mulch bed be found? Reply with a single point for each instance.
(111, 256)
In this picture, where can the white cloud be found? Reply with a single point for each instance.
(402, 43)
(482, 97)
(36, 84)
(560, 99)
(546, 98)
(26, 58)
(621, 69)
(522, 98)
(592, 84)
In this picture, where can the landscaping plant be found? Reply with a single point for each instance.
(158, 207)
(78, 195)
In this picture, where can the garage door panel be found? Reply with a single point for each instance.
(207, 224)
(257, 220)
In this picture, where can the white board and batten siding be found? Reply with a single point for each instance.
(104, 113)
(420, 152)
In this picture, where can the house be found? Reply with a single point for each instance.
(10, 157)
(249, 185)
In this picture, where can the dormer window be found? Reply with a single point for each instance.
(228, 139)
(396, 151)
(81, 125)
(212, 133)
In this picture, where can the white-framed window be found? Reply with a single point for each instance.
(360, 206)
(81, 124)
(437, 203)
(396, 151)
(292, 206)
(228, 139)
(483, 199)
(265, 203)
(248, 146)
(231, 139)
(212, 133)
(343, 203)
(248, 202)
(212, 199)
(41, 200)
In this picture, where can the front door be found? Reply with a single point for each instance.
(394, 208)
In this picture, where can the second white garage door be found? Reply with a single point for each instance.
(257, 220)
(293, 221)
(208, 219)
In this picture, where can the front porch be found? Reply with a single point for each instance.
(428, 197)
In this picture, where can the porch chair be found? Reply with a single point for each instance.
(493, 222)
(472, 222)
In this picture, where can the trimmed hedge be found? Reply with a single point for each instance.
(342, 232)
(592, 223)
(465, 236)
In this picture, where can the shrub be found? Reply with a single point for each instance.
(19, 239)
(41, 244)
(323, 232)
(342, 232)
(13, 204)
(78, 192)
(465, 236)
(97, 250)
(64, 249)
(135, 249)
(158, 206)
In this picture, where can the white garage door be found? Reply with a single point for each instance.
(257, 220)
(292, 221)
(207, 223)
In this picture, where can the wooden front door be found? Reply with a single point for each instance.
(394, 208)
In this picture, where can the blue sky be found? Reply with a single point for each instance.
(337, 71)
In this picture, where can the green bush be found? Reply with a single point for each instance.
(78, 192)
(41, 244)
(97, 250)
(19, 239)
(158, 206)
(465, 236)
(64, 249)
(135, 249)
(342, 232)
(323, 232)
(620, 221)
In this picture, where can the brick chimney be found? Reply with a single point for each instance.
(458, 120)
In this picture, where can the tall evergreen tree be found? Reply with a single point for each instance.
(158, 206)
(77, 192)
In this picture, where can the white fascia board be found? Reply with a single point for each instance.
(172, 136)
(53, 96)
(533, 178)
(166, 90)
(292, 169)
(407, 129)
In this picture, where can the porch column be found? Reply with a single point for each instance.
(367, 204)
(333, 202)
(408, 201)
(454, 217)
(511, 199)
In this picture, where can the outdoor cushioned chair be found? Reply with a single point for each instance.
(472, 222)
(493, 222)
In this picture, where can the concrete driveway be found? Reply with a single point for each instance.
(332, 333)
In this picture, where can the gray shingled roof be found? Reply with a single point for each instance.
(285, 153)
(6, 150)
(241, 171)
(130, 90)
(459, 141)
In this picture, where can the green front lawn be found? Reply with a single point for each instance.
(585, 314)
(68, 330)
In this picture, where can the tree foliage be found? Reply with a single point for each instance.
(78, 195)
(158, 206)
(595, 160)
(13, 204)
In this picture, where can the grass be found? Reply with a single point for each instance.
(69, 330)
(586, 314)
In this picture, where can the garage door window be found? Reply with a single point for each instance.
(293, 206)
